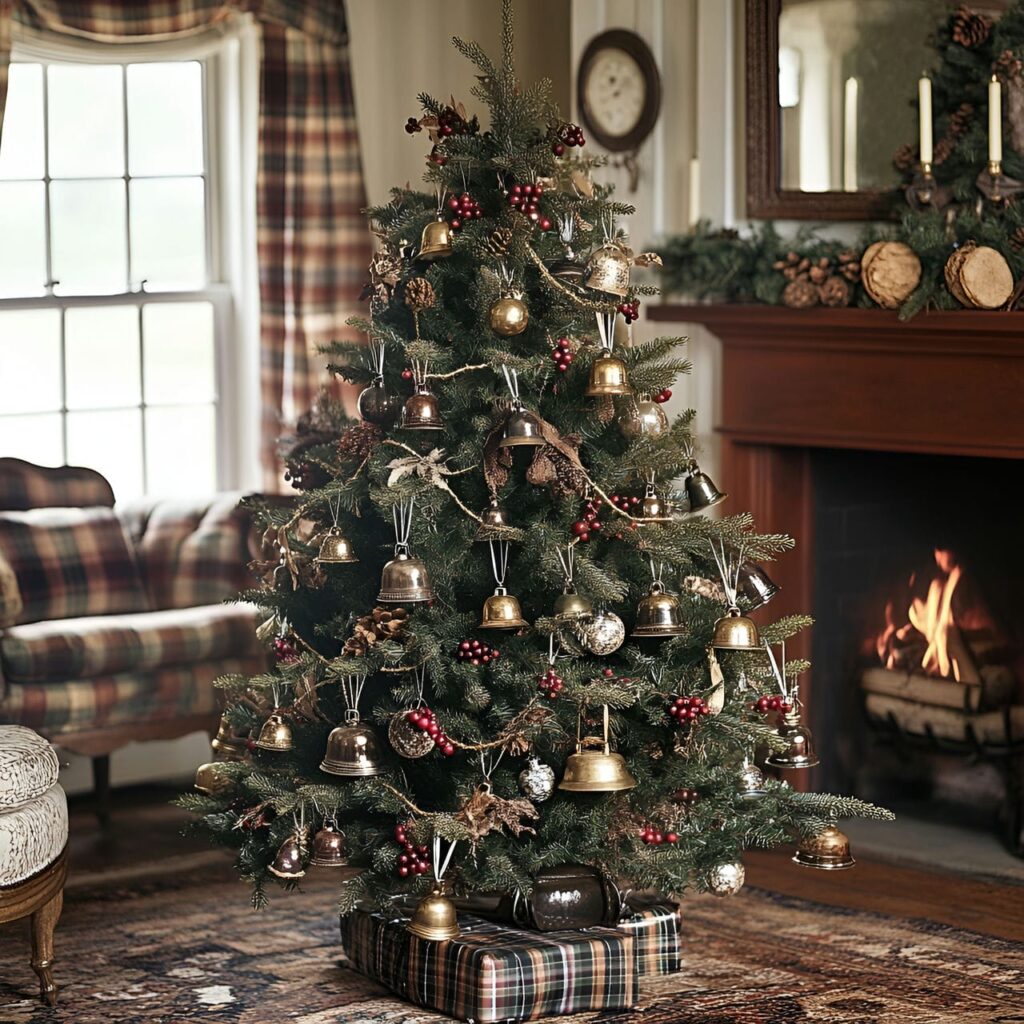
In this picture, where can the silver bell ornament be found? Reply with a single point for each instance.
(537, 780)
(750, 782)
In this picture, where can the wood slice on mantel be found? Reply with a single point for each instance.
(890, 271)
(979, 277)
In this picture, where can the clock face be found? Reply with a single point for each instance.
(615, 91)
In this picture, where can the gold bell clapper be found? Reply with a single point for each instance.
(799, 752)
(593, 768)
(701, 489)
(755, 585)
(829, 850)
(329, 847)
(404, 579)
(733, 631)
(608, 269)
(642, 417)
(501, 609)
(522, 426)
(658, 614)
(607, 372)
(434, 918)
(276, 734)
(569, 604)
(335, 548)
(421, 410)
(353, 749)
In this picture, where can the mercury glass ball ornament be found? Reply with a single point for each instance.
(727, 878)
(509, 316)
(642, 418)
(537, 780)
(602, 633)
(406, 739)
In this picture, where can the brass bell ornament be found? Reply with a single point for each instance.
(501, 609)
(736, 632)
(276, 734)
(210, 781)
(421, 411)
(642, 417)
(436, 240)
(522, 426)
(829, 850)
(607, 372)
(492, 519)
(800, 752)
(329, 848)
(701, 489)
(288, 862)
(509, 316)
(226, 745)
(653, 507)
(434, 918)
(335, 548)
(593, 768)
(570, 605)
(608, 270)
(404, 579)
(658, 614)
(755, 585)
(353, 749)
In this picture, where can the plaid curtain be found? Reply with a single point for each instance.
(312, 239)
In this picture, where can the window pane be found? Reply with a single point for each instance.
(86, 127)
(168, 233)
(181, 452)
(33, 438)
(110, 442)
(87, 224)
(30, 360)
(21, 151)
(22, 217)
(165, 118)
(179, 353)
(102, 356)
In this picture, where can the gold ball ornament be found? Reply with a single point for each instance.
(642, 418)
(509, 316)
(726, 879)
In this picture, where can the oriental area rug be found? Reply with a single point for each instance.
(182, 945)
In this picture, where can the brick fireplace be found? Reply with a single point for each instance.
(877, 445)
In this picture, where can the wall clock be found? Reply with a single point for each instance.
(618, 90)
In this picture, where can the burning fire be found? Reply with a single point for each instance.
(931, 628)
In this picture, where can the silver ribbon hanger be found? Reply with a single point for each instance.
(567, 559)
(401, 514)
(728, 569)
(554, 649)
(440, 868)
(420, 675)
(779, 671)
(606, 329)
(375, 357)
(499, 561)
(352, 691)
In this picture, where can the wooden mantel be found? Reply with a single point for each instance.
(796, 380)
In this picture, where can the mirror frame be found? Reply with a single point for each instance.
(766, 198)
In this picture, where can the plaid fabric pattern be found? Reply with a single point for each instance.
(69, 562)
(24, 486)
(56, 651)
(125, 699)
(313, 242)
(656, 931)
(190, 552)
(491, 972)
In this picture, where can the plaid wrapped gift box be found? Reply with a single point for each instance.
(492, 972)
(656, 930)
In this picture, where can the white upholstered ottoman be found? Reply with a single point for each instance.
(33, 843)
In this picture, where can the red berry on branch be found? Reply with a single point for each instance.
(407, 374)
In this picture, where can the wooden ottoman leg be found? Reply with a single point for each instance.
(44, 921)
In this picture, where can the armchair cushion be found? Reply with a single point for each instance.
(33, 835)
(100, 645)
(69, 562)
(28, 766)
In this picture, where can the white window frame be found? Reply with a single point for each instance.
(229, 58)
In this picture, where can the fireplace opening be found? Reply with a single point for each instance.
(918, 643)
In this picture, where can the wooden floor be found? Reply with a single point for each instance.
(146, 828)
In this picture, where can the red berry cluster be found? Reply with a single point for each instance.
(425, 719)
(774, 703)
(550, 684)
(285, 651)
(655, 837)
(415, 860)
(583, 528)
(412, 126)
(465, 207)
(476, 653)
(609, 673)
(630, 310)
(663, 395)
(686, 797)
(526, 199)
(562, 354)
(451, 122)
(688, 709)
(567, 134)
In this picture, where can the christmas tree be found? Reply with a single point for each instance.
(449, 594)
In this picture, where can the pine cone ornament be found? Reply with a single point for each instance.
(551, 469)
(794, 267)
(943, 150)
(1017, 239)
(969, 28)
(419, 294)
(1006, 66)
(800, 294)
(960, 119)
(500, 242)
(359, 440)
(819, 273)
(905, 158)
(835, 291)
(848, 264)
(369, 630)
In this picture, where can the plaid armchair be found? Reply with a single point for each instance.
(112, 626)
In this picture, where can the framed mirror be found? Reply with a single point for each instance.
(831, 86)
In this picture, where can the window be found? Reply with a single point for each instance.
(113, 311)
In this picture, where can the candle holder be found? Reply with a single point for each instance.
(997, 187)
(923, 190)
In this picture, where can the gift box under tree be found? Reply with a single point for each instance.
(492, 972)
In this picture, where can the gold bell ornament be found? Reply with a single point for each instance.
(404, 579)
(800, 751)
(733, 631)
(501, 609)
(569, 604)
(434, 918)
(593, 768)
(335, 548)
(492, 521)
(421, 410)
(608, 269)
(755, 585)
(436, 240)
(211, 781)
(375, 403)
(353, 749)
(642, 417)
(522, 426)
(329, 849)
(607, 372)
(829, 850)
(701, 489)
(658, 614)
(568, 268)
(226, 745)
(653, 508)
(276, 734)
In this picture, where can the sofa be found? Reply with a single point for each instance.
(113, 621)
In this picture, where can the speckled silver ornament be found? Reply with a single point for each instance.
(726, 879)
(750, 782)
(602, 633)
(537, 780)
(407, 740)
